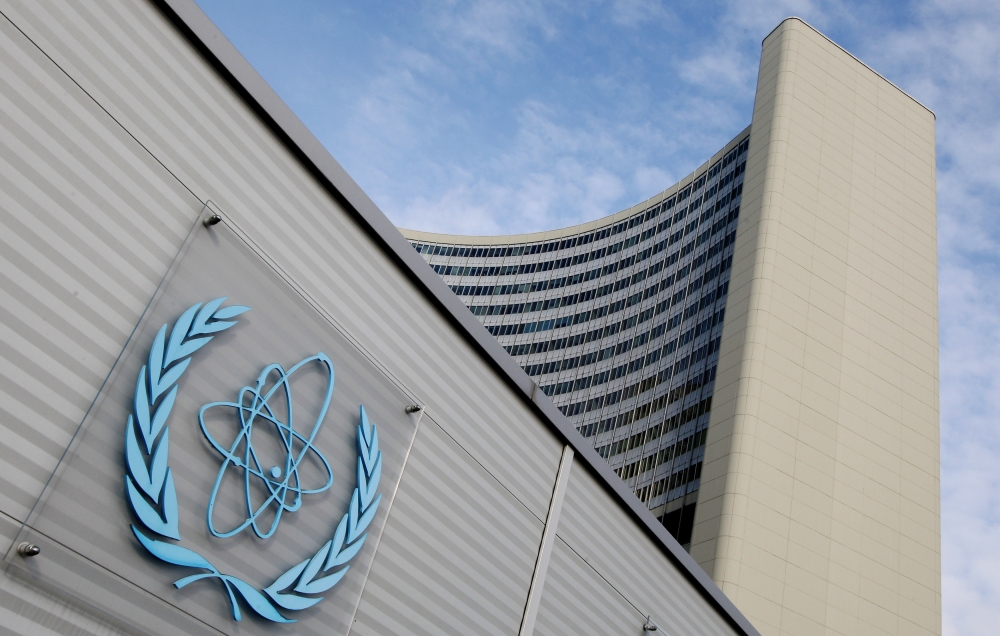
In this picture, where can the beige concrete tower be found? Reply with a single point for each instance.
(819, 506)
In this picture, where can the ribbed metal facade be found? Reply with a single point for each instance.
(619, 322)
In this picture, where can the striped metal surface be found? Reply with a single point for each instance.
(578, 600)
(8, 531)
(457, 555)
(25, 609)
(591, 525)
(89, 223)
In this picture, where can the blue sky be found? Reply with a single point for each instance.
(492, 116)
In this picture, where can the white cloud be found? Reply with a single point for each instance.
(651, 179)
(493, 26)
(720, 69)
(630, 13)
(759, 17)
(551, 176)
(724, 63)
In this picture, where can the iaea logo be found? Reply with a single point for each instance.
(280, 483)
(150, 485)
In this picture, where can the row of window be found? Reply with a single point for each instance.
(650, 462)
(611, 423)
(567, 364)
(558, 283)
(619, 305)
(692, 385)
(676, 421)
(611, 268)
(545, 266)
(572, 299)
(623, 347)
(669, 483)
(543, 248)
(625, 393)
(596, 334)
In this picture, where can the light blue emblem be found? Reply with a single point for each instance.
(280, 482)
(149, 484)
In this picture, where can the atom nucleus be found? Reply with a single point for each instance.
(281, 483)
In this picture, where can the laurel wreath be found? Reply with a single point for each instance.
(149, 482)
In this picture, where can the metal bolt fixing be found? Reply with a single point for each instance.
(26, 549)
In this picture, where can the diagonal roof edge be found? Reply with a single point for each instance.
(852, 55)
(202, 33)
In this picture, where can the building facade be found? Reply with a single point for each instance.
(619, 321)
(172, 233)
(754, 350)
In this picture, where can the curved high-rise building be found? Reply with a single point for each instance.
(619, 321)
(754, 350)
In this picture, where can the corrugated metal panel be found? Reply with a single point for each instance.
(456, 530)
(140, 69)
(25, 609)
(596, 527)
(28, 610)
(8, 530)
(578, 600)
(88, 224)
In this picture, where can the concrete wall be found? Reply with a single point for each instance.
(819, 510)
(114, 132)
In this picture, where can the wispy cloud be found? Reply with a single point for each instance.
(720, 69)
(508, 27)
(630, 13)
(759, 17)
(558, 178)
(560, 126)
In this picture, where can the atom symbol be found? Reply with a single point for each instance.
(280, 482)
